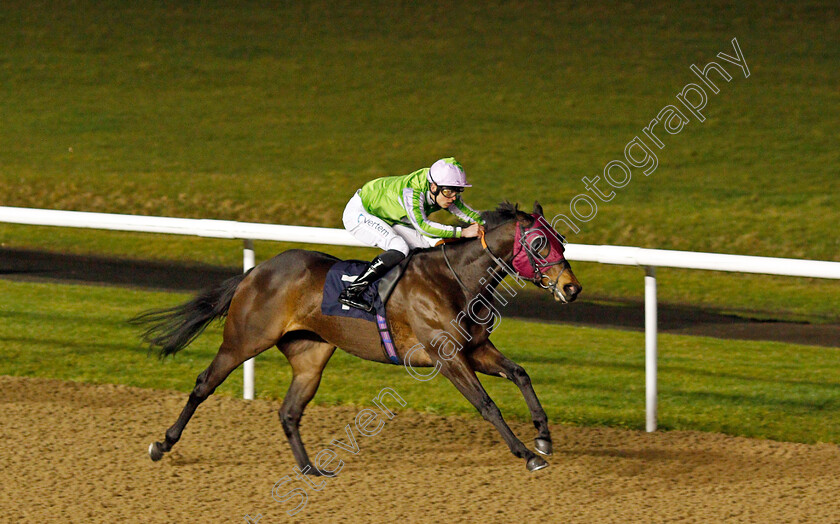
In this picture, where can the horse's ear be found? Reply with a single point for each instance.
(538, 210)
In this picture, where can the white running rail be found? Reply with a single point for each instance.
(648, 259)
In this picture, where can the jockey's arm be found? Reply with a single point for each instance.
(461, 210)
(413, 204)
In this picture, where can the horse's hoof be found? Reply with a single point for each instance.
(543, 446)
(536, 463)
(155, 451)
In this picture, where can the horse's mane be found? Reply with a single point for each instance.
(505, 212)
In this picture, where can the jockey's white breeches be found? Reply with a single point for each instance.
(373, 231)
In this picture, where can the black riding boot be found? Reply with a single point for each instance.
(353, 295)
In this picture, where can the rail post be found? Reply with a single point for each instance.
(248, 261)
(650, 349)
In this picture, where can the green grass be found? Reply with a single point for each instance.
(583, 376)
(245, 111)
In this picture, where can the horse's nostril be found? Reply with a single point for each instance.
(571, 289)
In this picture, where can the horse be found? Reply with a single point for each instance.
(278, 303)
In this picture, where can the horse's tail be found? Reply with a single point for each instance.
(172, 329)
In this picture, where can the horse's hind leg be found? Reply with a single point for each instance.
(227, 359)
(308, 357)
(490, 361)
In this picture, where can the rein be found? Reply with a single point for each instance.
(497, 260)
(457, 278)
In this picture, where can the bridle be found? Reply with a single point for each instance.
(555, 243)
(522, 253)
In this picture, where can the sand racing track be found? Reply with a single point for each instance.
(75, 452)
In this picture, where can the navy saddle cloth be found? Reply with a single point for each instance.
(341, 275)
(345, 272)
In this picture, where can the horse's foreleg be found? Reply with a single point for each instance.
(462, 376)
(489, 360)
(308, 359)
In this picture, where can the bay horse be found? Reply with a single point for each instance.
(278, 303)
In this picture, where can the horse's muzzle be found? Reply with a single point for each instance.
(568, 293)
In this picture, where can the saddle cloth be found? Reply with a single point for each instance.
(345, 272)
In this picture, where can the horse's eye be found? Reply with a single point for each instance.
(538, 244)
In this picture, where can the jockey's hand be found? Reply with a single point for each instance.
(472, 230)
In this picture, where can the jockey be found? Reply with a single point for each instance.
(391, 213)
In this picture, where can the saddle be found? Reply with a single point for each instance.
(389, 281)
(342, 274)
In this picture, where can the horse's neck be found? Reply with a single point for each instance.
(473, 263)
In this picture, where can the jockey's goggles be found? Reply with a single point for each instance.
(449, 192)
